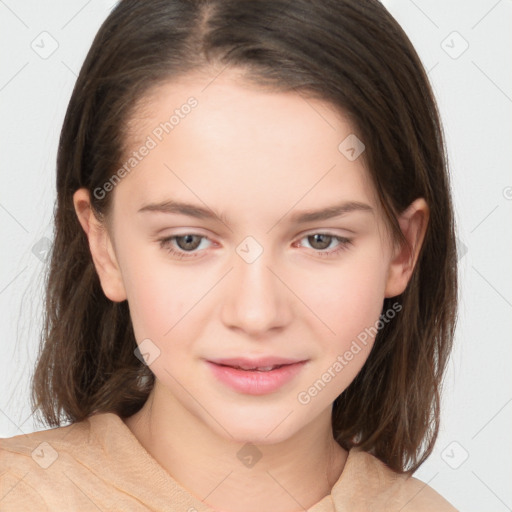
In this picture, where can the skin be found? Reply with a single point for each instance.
(258, 157)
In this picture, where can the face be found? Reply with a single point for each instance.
(246, 274)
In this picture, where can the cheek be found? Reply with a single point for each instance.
(161, 303)
(349, 301)
(348, 298)
(159, 296)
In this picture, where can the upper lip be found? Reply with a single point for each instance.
(260, 362)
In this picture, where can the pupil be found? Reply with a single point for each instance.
(188, 240)
(318, 239)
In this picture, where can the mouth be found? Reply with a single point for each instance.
(255, 368)
(261, 363)
(257, 376)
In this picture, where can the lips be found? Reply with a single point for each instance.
(255, 376)
(264, 364)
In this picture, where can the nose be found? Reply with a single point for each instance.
(255, 300)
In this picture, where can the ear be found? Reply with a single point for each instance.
(101, 247)
(413, 223)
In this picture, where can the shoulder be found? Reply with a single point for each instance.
(38, 470)
(372, 485)
(95, 464)
(41, 449)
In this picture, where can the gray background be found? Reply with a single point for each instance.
(467, 48)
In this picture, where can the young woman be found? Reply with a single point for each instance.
(252, 290)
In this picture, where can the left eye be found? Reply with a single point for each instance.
(324, 240)
(185, 245)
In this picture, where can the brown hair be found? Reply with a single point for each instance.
(351, 53)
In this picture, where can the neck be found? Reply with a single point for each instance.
(233, 476)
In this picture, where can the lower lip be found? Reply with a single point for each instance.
(253, 382)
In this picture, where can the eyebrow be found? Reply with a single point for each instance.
(191, 210)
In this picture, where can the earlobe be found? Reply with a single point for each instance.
(413, 223)
(100, 245)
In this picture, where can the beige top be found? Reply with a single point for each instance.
(98, 464)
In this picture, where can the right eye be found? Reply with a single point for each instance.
(183, 246)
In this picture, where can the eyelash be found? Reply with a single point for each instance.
(165, 243)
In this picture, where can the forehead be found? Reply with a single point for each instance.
(231, 98)
(243, 143)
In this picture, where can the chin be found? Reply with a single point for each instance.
(257, 426)
(257, 436)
